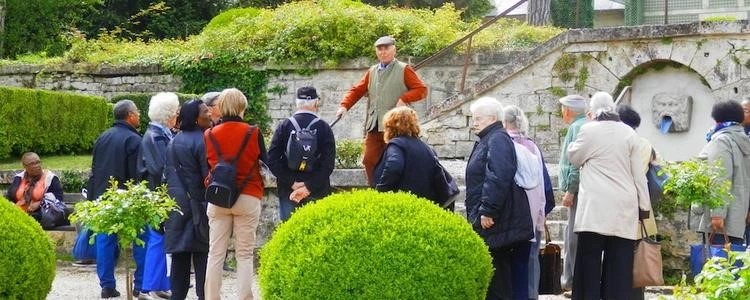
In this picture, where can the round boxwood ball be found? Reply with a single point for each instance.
(370, 245)
(27, 257)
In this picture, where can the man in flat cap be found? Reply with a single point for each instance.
(388, 84)
(211, 99)
(299, 186)
(573, 113)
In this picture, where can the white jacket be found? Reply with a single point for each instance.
(613, 182)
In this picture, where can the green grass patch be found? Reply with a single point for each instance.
(61, 162)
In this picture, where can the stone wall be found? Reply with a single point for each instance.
(714, 55)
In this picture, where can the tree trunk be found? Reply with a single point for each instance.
(3, 9)
(538, 13)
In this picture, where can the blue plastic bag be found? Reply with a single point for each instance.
(700, 253)
(82, 250)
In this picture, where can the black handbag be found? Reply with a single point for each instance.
(52, 213)
(550, 265)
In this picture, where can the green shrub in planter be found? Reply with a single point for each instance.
(27, 258)
(370, 245)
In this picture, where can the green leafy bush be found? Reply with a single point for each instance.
(50, 122)
(27, 256)
(720, 279)
(73, 180)
(348, 154)
(370, 245)
(141, 100)
(125, 212)
(693, 182)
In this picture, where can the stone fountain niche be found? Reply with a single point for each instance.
(671, 112)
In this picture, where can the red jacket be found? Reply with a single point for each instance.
(229, 135)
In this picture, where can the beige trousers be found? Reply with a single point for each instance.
(242, 220)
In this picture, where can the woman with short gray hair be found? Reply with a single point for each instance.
(541, 197)
(162, 111)
(613, 197)
(496, 206)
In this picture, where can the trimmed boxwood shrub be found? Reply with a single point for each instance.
(370, 245)
(27, 256)
(49, 122)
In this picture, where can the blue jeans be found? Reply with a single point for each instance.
(155, 276)
(107, 252)
(286, 206)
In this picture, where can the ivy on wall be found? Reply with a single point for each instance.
(225, 71)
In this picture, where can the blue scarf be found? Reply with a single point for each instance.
(719, 126)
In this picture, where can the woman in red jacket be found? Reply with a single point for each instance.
(241, 220)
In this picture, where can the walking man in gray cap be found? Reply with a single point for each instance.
(573, 113)
(388, 84)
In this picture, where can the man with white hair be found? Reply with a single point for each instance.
(298, 187)
(573, 113)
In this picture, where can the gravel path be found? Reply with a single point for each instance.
(81, 283)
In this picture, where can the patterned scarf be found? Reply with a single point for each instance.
(719, 126)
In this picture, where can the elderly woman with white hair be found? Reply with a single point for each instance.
(541, 197)
(162, 111)
(496, 206)
(612, 198)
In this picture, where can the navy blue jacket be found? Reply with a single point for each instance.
(492, 192)
(185, 168)
(407, 164)
(115, 155)
(318, 180)
(153, 156)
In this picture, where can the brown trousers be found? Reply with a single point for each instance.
(374, 147)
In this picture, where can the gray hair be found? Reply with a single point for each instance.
(602, 103)
(305, 103)
(516, 118)
(210, 98)
(487, 106)
(162, 107)
(122, 108)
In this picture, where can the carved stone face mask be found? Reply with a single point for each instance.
(671, 112)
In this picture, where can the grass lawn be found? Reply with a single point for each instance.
(61, 162)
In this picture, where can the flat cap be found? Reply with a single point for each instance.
(210, 98)
(573, 101)
(385, 40)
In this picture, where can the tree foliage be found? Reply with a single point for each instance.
(472, 9)
(38, 25)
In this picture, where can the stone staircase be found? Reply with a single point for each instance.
(556, 220)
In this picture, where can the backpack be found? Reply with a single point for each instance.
(655, 179)
(302, 147)
(222, 189)
(527, 168)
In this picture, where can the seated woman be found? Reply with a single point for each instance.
(407, 163)
(32, 185)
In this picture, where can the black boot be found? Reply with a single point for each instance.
(110, 293)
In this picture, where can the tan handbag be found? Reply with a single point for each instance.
(647, 265)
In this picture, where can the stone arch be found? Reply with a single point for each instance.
(667, 88)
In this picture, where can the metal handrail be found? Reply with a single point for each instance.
(469, 35)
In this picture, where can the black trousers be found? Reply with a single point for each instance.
(608, 277)
(505, 284)
(180, 275)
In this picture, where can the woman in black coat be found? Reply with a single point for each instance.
(186, 234)
(496, 206)
(407, 164)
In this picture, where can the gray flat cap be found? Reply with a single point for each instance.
(210, 98)
(385, 40)
(573, 101)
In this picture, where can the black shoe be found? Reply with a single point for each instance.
(110, 293)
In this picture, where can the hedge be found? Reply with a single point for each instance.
(49, 122)
(27, 256)
(370, 245)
